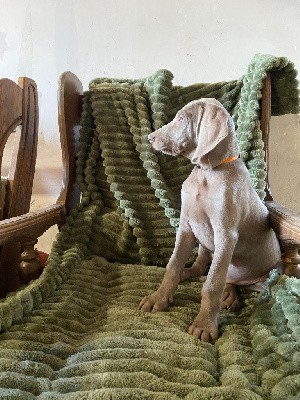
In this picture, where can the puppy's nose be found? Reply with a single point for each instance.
(151, 138)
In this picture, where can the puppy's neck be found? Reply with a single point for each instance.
(225, 161)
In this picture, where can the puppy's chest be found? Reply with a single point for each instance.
(197, 207)
(195, 190)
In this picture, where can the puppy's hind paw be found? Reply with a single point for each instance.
(230, 301)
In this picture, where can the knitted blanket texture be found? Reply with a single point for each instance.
(77, 333)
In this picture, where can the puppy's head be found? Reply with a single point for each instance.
(202, 131)
(177, 137)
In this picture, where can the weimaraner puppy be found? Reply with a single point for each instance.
(219, 210)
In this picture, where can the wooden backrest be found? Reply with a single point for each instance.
(19, 106)
(265, 117)
(69, 114)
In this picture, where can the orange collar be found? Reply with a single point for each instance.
(229, 159)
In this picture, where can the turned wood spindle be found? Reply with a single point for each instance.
(30, 266)
(291, 259)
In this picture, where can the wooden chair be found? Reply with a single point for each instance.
(285, 222)
(25, 227)
(19, 228)
(18, 106)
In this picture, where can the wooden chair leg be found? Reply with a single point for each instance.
(9, 271)
(291, 259)
(30, 266)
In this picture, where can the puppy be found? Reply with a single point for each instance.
(219, 210)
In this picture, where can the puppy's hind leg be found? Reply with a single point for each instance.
(230, 300)
(200, 266)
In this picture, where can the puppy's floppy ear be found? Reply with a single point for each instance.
(211, 129)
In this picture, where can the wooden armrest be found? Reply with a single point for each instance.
(21, 233)
(286, 223)
(32, 224)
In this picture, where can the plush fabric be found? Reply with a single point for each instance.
(76, 332)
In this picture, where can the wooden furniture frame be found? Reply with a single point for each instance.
(286, 223)
(19, 228)
(18, 107)
(25, 227)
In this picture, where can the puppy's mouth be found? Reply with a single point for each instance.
(164, 147)
(164, 150)
(167, 152)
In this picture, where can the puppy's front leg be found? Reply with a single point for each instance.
(200, 266)
(163, 296)
(205, 325)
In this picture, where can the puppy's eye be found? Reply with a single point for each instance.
(180, 119)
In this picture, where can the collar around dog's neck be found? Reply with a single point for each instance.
(225, 161)
(229, 159)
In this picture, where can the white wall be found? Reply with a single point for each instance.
(198, 40)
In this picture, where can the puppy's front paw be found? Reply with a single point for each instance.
(204, 329)
(157, 301)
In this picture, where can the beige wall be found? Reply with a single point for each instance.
(198, 40)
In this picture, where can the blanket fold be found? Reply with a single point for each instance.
(143, 187)
(76, 332)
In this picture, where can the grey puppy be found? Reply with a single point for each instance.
(219, 210)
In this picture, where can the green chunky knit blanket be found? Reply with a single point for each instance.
(76, 332)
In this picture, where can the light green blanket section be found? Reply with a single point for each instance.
(77, 333)
(88, 340)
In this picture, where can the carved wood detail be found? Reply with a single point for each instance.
(30, 266)
(32, 224)
(286, 225)
(291, 259)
